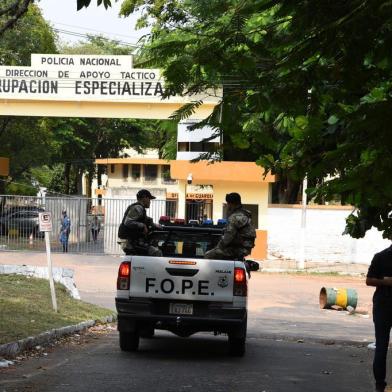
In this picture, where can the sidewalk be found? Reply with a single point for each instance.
(95, 276)
(278, 265)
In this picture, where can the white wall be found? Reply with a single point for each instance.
(198, 135)
(324, 240)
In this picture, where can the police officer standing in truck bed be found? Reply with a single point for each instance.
(239, 234)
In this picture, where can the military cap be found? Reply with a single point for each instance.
(144, 193)
(233, 197)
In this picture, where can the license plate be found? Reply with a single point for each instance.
(181, 309)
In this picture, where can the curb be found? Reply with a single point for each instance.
(293, 270)
(309, 339)
(10, 350)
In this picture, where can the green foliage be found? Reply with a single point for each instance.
(306, 87)
(96, 45)
(86, 3)
(23, 139)
(31, 34)
(77, 142)
(11, 11)
(28, 145)
(161, 135)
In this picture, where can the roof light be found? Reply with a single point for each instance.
(182, 262)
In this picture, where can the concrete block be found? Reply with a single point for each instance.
(68, 273)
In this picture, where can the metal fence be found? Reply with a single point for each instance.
(198, 210)
(19, 222)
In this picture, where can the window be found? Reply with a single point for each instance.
(125, 171)
(112, 168)
(196, 146)
(183, 146)
(171, 208)
(203, 146)
(182, 244)
(165, 172)
(136, 172)
(150, 173)
(210, 146)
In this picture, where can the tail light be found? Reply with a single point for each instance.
(240, 287)
(124, 276)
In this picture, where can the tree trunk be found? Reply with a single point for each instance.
(286, 190)
(89, 184)
(79, 180)
(2, 187)
(67, 175)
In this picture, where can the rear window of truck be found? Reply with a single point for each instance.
(185, 243)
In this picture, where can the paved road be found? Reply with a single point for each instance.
(200, 363)
(283, 308)
(280, 304)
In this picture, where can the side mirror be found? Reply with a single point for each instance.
(252, 265)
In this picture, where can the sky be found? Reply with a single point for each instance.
(62, 14)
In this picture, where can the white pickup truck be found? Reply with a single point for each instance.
(182, 292)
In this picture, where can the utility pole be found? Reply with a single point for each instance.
(301, 260)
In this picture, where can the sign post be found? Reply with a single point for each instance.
(45, 225)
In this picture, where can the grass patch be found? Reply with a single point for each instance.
(26, 308)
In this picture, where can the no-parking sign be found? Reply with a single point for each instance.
(45, 221)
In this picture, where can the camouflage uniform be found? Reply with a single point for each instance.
(238, 237)
(131, 232)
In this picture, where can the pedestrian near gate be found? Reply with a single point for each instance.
(92, 226)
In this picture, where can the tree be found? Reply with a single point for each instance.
(86, 3)
(96, 45)
(27, 144)
(82, 140)
(306, 85)
(23, 139)
(11, 11)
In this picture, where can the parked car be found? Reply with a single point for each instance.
(21, 222)
(9, 210)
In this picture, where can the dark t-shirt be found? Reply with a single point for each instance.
(380, 267)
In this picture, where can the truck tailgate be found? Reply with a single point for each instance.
(182, 279)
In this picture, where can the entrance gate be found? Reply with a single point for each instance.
(91, 86)
(19, 222)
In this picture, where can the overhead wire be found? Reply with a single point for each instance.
(96, 31)
(82, 35)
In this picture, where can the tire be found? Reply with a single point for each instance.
(237, 340)
(129, 341)
(237, 346)
(147, 333)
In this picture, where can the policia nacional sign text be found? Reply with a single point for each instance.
(81, 78)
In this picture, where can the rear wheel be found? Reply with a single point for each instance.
(236, 346)
(237, 339)
(147, 333)
(129, 341)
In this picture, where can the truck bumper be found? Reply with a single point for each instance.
(207, 316)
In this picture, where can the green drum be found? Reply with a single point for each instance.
(339, 297)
